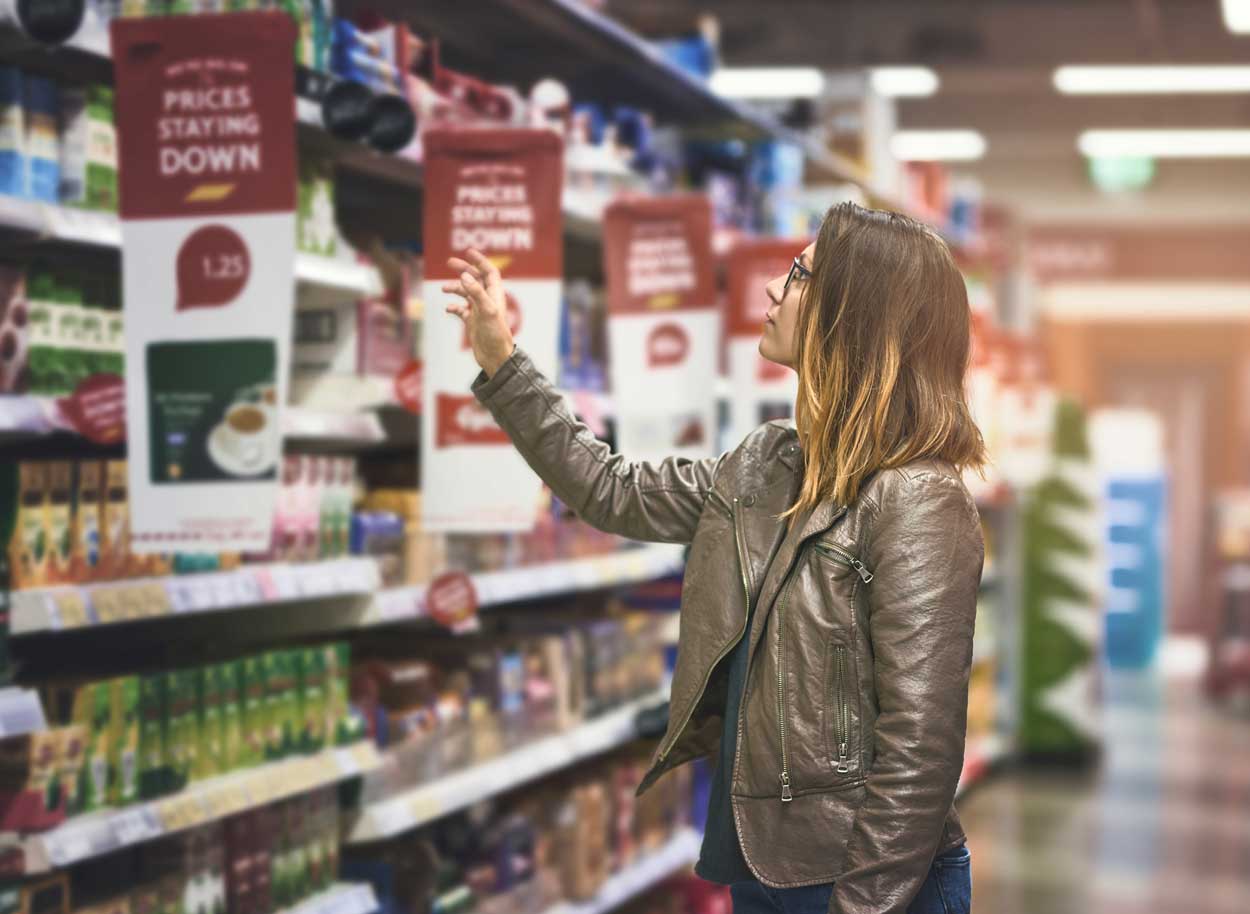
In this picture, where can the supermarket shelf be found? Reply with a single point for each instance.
(980, 757)
(335, 273)
(629, 566)
(344, 898)
(681, 851)
(95, 834)
(48, 610)
(435, 799)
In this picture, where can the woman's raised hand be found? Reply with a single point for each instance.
(483, 309)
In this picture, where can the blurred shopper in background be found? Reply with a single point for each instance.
(830, 595)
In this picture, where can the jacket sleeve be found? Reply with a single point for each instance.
(925, 552)
(660, 502)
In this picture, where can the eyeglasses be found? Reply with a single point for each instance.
(797, 271)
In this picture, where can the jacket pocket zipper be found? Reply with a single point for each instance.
(786, 794)
(841, 709)
(846, 559)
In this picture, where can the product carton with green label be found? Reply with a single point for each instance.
(124, 728)
(154, 771)
(93, 710)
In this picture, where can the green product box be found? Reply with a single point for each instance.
(251, 678)
(209, 754)
(124, 740)
(315, 228)
(231, 717)
(46, 369)
(341, 728)
(281, 704)
(312, 699)
(154, 780)
(183, 738)
(101, 169)
(94, 711)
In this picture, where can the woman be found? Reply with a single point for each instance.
(830, 590)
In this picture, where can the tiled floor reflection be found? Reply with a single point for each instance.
(1161, 827)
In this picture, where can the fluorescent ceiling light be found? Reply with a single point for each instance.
(768, 82)
(1166, 144)
(937, 145)
(1129, 80)
(1237, 15)
(904, 82)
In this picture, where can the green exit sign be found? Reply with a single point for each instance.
(1122, 173)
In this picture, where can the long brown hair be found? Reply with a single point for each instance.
(882, 346)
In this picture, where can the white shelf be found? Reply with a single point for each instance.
(21, 712)
(681, 851)
(344, 898)
(629, 566)
(337, 273)
(430, 801)
(69, 607)
(54, 609)
(357, 427)
(95, 834)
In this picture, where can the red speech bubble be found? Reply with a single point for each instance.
(213, 267)
(97, 408)
(668, 344)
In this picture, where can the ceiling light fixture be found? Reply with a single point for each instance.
(1143, 80)
(1237, 15)
(1166, 144)
(937, 145)
(904, 82)
(768, 82)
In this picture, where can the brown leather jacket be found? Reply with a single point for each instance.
(851, 732)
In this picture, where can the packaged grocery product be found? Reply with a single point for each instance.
(59, 508)
(72, 103)
(29, 547)
(87, 553)
(94, 712)
(12, 133)
(101, 165)
(43, 156)
(124, 741)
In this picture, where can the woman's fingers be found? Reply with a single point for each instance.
(484, 268)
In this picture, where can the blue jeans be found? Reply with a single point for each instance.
(946, 890)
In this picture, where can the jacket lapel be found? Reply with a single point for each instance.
(816, 521)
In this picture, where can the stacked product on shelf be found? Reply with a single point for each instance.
(555, 840)
(134, 738)
(257, 862)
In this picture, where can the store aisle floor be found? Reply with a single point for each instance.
(1163, 825)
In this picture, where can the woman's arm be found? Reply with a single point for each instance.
(643, 501)
(926, 552)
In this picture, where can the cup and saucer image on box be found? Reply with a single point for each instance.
(212, 410)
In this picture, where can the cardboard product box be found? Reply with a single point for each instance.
(341, 726)
(231, 716)
(87, 552)
(94, 712)
(240, 850)
(281, 703)
(311, 672)
(210, 756)
(250, 675)
(155, 771)
(115, 515)
(31, 795)
(145, 898)
(316, 231)
(181, 740)
(29, 547)
(124, 728)
(582, 841)
(50, 895)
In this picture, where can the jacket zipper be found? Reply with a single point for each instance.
(842, 709)
(786, 794)
(846, 558)
(746, 591)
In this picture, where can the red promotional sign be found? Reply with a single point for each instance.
(462, 420)
(97, 409)
(408, 386)
(452, 600)
(667, 345)
(497, 191)
(752, 264)
(202, 132)
(658, 254)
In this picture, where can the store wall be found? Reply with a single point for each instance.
(1182, 351)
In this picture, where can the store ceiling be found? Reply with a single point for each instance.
(995, 59)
